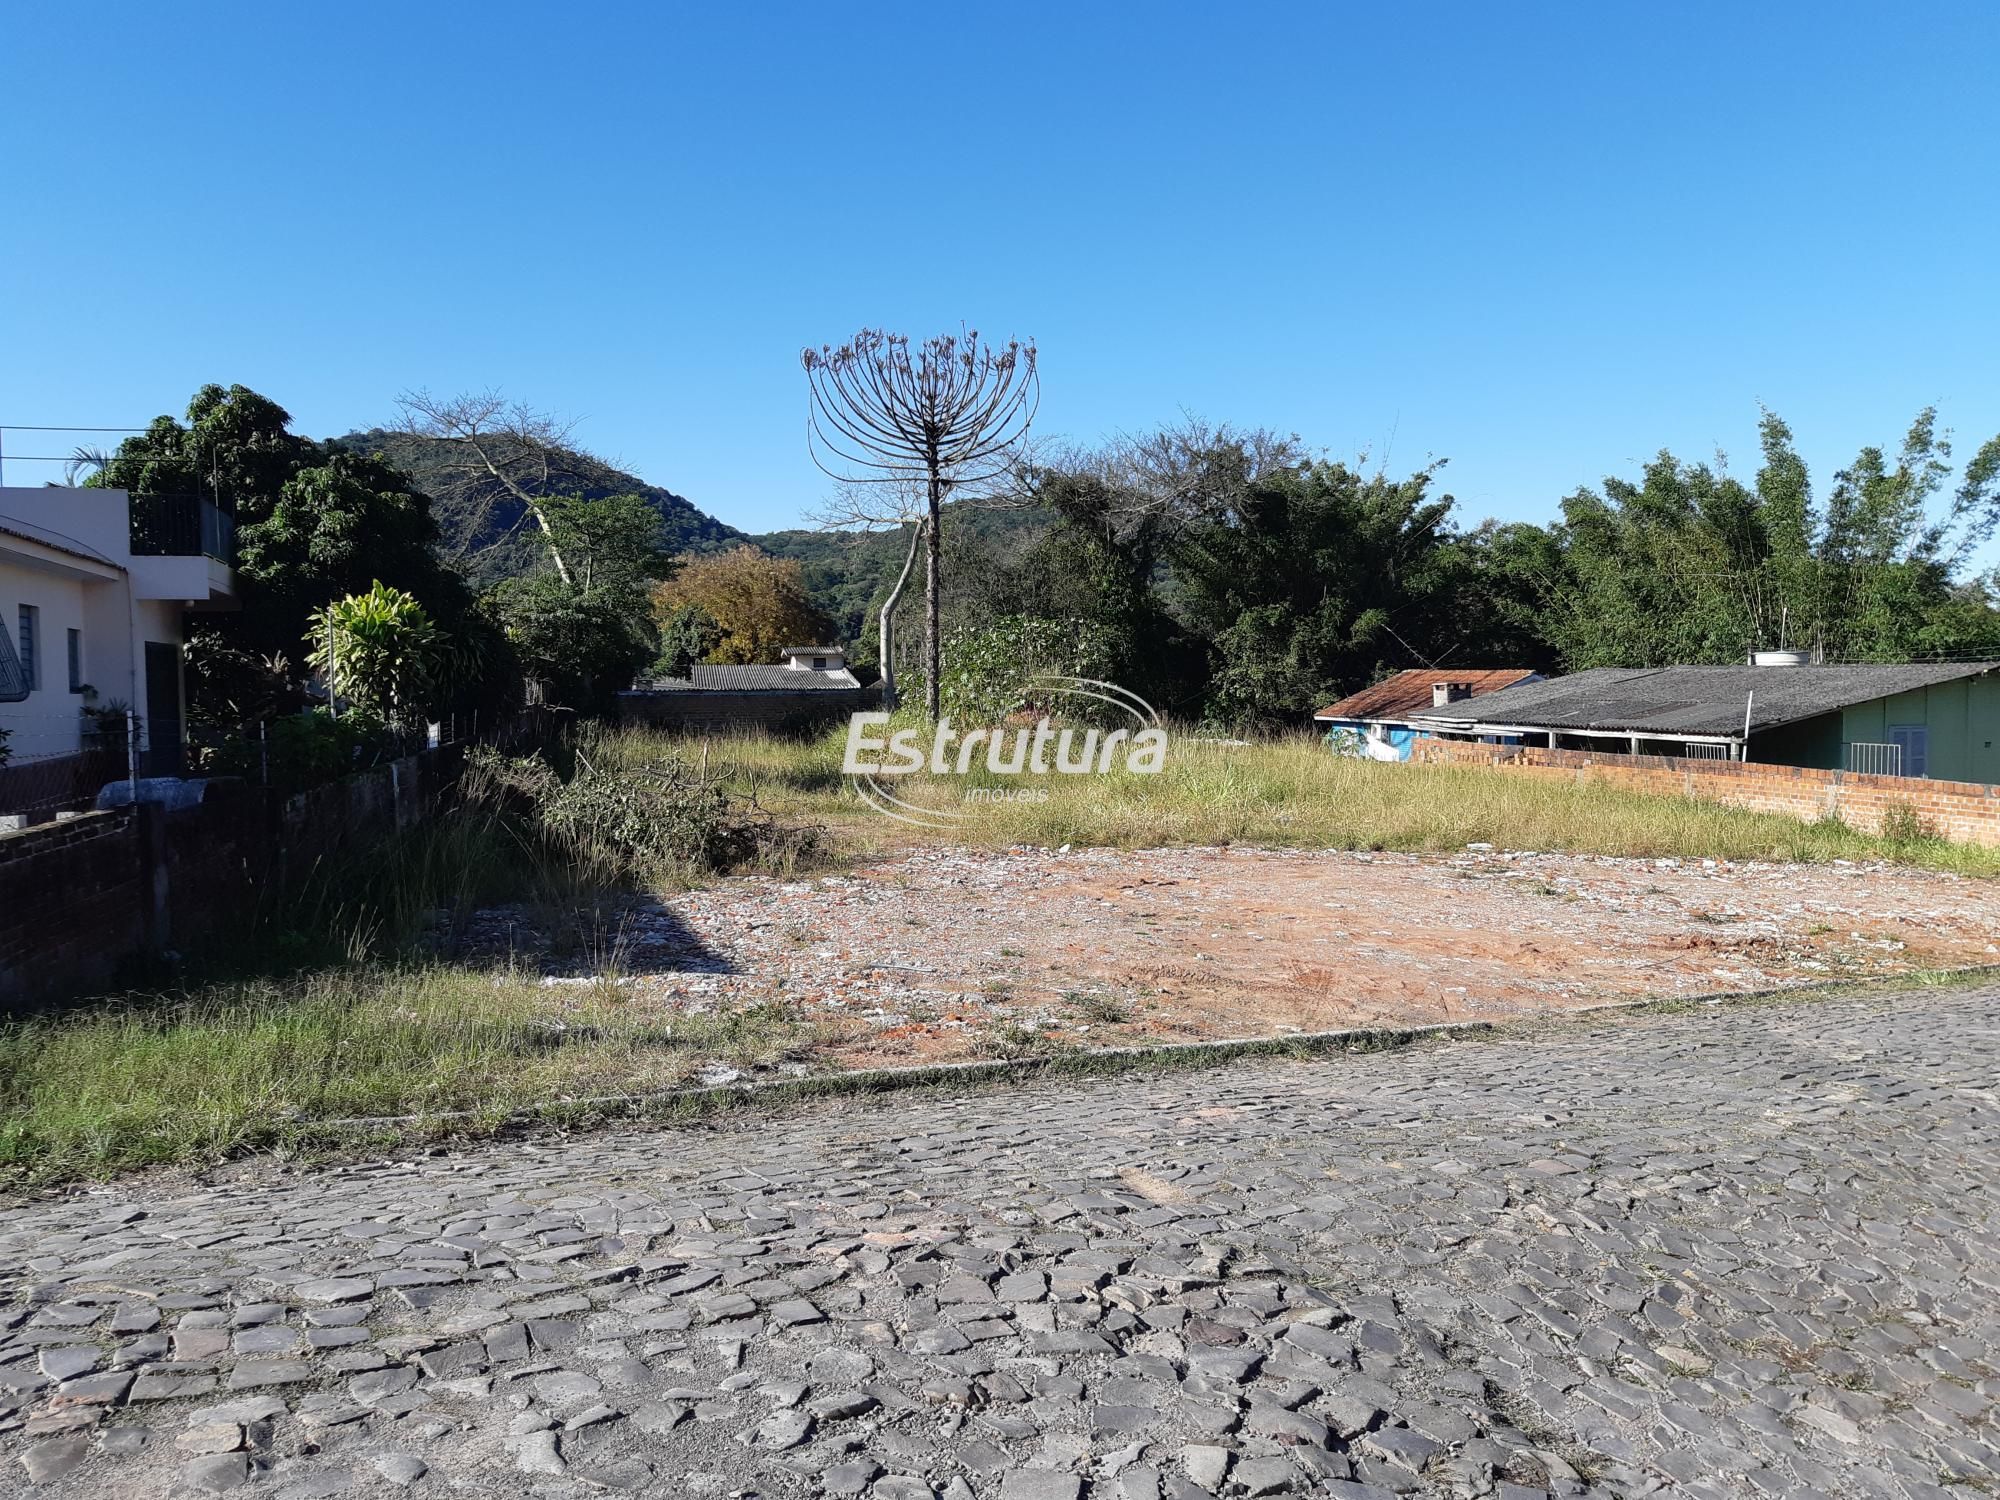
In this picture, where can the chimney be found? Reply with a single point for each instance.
(1449, 692)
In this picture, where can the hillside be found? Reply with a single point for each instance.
(480, 525)
(482, 529)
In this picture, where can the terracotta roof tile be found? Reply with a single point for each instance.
(1408, 692)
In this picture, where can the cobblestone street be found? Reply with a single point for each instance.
(1747, 1250)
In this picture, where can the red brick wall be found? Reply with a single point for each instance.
(1962, 810)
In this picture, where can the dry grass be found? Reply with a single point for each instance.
(1293, 793)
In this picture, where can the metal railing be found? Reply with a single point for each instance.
(1870, 759)
(182, 526)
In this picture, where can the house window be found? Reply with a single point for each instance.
(819, 663)
(29, 643)
(1915, 740)
(76, 661)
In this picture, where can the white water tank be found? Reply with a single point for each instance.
(1780, 658)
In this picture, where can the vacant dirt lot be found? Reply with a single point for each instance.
(943, 953)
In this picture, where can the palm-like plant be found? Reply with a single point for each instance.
(378, 651)
(84, 463)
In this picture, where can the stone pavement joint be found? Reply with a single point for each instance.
(1745, 1251)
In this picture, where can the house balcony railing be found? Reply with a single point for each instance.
(182, 526)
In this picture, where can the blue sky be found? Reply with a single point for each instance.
(1539, 241)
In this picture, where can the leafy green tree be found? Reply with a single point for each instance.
(312, 524)
(583, 631)
(1315, 579)
(340, 525)
(687, 635)
(1101, 562)
(613, 545)
(1691, 565)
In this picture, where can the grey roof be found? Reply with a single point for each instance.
(708, 677)
(1694, 700)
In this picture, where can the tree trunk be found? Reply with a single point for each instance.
(534, 509)
(933, 566)
(885, 622)
(555, 552)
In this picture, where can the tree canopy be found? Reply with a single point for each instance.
(1689, 564)
(312, 524)
(584, 631)
(759, 602)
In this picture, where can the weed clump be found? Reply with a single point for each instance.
(656, 820)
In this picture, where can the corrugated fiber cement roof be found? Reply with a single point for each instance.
(1695, 700)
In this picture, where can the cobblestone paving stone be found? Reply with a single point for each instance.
(1743, 1251)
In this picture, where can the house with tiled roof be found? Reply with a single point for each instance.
(807, 684)
(1378, 722)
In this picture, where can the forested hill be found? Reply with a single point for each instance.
(481, 526)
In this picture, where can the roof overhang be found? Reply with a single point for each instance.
(44, 556)
(1673, 736)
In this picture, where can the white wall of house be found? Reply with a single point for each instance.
(64, 598)
(66, 553)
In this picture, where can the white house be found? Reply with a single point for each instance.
(93, 589)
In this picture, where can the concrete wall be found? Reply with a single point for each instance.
(697, 711)
(73, 906)
(1966, 811)
(86, 899)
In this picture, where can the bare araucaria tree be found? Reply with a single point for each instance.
(500, 448)
(948, 414)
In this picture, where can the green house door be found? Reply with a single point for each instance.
(163, 709)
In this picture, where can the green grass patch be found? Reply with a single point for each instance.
(260, 1065)
(1293, 793)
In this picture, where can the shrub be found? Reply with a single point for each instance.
(989, 674)
(1903, 824)
(654, 820)
(301, 750)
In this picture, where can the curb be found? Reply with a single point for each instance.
(708, 1099)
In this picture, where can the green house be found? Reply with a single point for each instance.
(1931, 719)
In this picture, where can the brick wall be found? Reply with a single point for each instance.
(83, 899)
(72, 906)
(1962, 810)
